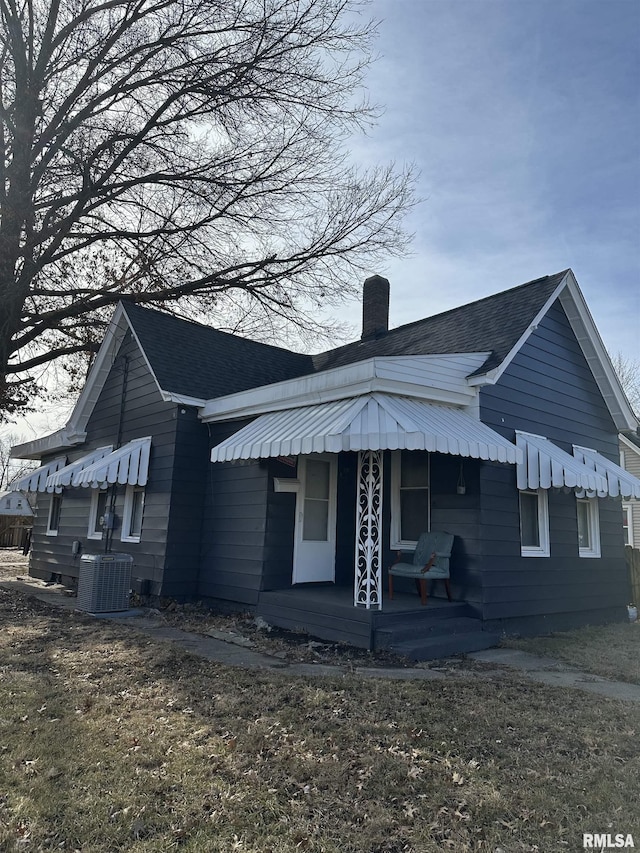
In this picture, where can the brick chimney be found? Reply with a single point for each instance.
(375, 307)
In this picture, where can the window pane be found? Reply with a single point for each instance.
(626, 524)
(137, 503)
(529, 523)
(584, 532)
(317, 485)
(316, 520)
(414, 470)
(101, 507)
(54, 518)
(414, 514)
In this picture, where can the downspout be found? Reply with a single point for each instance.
(114, 488)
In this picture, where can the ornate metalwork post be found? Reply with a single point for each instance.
(368, 579)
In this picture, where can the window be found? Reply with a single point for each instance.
(409, 497)
(96, 513)
(588, 527)
(534, 524)
(133, 510)
(53, 522)
(627, 523)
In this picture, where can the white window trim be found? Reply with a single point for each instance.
(92, 533)
(543, 549)
(628, 508)
(55, 498)
(125, 533)
(396, 542)
(593, 519)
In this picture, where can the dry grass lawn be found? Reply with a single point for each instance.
(611, 651)
(110, 742)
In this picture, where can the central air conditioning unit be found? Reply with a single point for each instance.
(104, 583)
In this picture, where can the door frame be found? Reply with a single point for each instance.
(297, 486)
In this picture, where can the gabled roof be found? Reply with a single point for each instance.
(193, 363)
(197, 361)
(494, 324)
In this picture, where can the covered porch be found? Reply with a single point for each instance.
(378, 432)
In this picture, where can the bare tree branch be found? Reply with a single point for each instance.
(175, 151)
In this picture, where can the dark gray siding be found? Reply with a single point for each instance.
(460, 515)
(279, 529)
(143, 412)
(190, 475)
(233, 526)
(549, 390)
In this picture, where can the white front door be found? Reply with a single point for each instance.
(314, 550)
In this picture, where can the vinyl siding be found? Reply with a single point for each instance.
(632, 465)
(234, 526)
(549, 390)
(189, 479)
(143, 413)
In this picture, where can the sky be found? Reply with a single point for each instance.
(523, 119)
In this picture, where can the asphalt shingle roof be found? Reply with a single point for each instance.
(493, 324)
(199, 361)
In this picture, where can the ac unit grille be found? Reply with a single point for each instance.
(104, 582)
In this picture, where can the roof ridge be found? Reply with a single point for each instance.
(464, 306)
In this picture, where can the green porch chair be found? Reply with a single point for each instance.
(430, 561)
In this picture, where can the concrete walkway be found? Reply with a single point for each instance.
(232, 652)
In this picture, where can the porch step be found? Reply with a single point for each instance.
(389, 636)
(443, 645)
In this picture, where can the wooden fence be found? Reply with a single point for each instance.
(14, 531)
(632, 556)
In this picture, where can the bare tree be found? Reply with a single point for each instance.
(181, 153)
(11, 469)
(628, 370)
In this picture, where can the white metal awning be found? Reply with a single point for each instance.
(545, 465)
(36, 481)
(67, 476)
(128, 464)
(370, 422)
(619, 481)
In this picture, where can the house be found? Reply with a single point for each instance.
(15, 519)
(285, 483)
(630, 461)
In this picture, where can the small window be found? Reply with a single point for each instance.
(133, 510)
(409, 497)
(55, 508)
(588, 527)
(627, 523)
(96, 513)
(534, 524)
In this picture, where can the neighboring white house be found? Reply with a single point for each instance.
(14, 503)
(630, 461)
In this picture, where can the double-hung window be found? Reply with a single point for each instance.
(534, 523)
(627, 523)
(96, 513)
(53, 521)
(409, 497)
(132, 516)
(588, 527)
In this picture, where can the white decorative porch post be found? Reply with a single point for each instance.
(368, 577)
